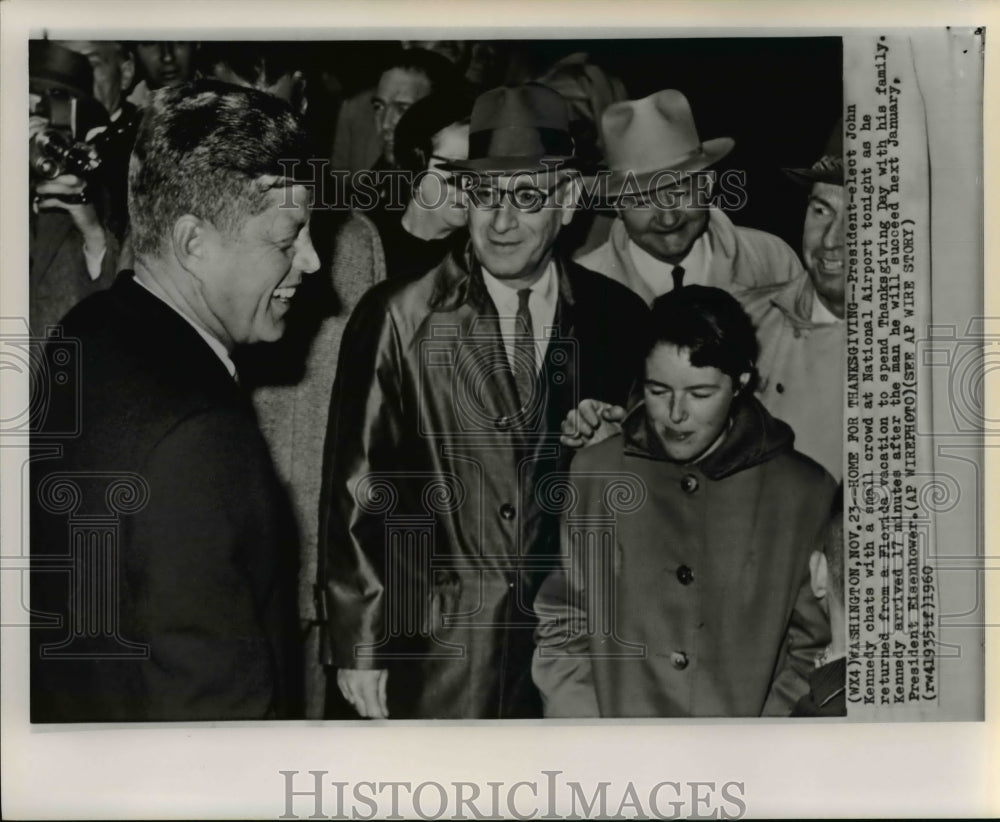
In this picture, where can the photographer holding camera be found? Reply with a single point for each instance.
(72, 252)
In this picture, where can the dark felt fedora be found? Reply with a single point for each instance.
(54, 67)
(829, 168)
(518, 128)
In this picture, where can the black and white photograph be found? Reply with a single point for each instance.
(559, 386)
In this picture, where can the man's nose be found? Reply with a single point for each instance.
(504, 218)
(306, 258)
(666, 217)
(167, 54)
(833, 237)
(391, 118)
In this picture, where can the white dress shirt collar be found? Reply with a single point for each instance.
(821, 315)
(658, 275)
(541, 304)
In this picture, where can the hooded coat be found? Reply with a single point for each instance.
(685, 589)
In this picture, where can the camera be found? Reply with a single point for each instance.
(61, 97)
(52, 153)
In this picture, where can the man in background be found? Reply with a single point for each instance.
(162, 63)
(367, 121)
(113, 64)
(668, 233)
(72, 252)
(800, 324)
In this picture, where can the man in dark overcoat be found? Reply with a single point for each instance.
(163, 557)
(436, 521)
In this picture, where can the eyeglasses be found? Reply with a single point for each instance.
(527, 199)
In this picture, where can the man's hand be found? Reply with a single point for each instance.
(590, 423)
(83, 213)
(365, 690)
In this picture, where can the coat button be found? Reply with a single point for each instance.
(685, 576)
(507, 511)
(679, 660)
(502, 423)
(689, 482)
(779, 388)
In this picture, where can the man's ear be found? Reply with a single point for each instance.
(188, 240)
(818, 574)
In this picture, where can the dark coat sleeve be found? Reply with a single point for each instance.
(364, 435)
(617, 323)
(198, 574)
(808, 628)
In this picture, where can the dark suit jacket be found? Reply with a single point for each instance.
(161, 539)
(436, 522)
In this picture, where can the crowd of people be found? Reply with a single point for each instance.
(525, 424)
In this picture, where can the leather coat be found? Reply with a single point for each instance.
(433, 540)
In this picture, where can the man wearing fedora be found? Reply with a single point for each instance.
(800, 328)
(72, 252)
(800, 324)
(667, 233)
(438, 514)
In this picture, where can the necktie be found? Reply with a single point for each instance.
(678, 275)
(524, 349)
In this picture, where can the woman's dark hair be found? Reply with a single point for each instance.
(425, 118)
(711, 325)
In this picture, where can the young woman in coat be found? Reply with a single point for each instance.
(686, 538)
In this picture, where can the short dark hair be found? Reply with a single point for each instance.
(199, 150)
(710, 325)
(833, 545)
(425, 118)
(254, 60)
(439, 71)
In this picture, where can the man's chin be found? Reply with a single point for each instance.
(502, 266)
(673, 250)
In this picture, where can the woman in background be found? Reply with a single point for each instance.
(699, 602)
(433, 131)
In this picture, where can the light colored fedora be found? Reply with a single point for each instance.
(657, 133)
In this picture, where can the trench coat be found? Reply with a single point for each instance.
(741, 257)
(684, 589)
(433, 538)
(801, 367)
